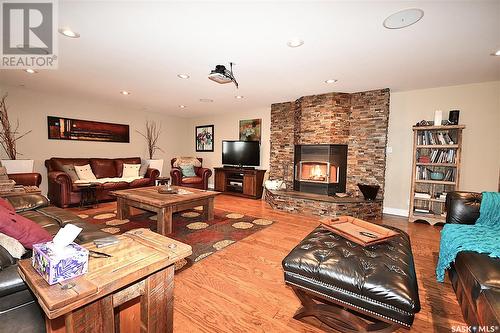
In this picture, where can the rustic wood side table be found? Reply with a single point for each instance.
(130, 291)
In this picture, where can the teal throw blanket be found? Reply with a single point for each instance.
(482, 237)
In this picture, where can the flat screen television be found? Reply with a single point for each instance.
(241, 153)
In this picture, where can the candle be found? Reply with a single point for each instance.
(438, 117)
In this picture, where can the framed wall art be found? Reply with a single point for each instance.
(250, 130)
(204, 138)
(85, 130)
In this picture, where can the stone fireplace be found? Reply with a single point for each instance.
(303, 134)
(320, 168)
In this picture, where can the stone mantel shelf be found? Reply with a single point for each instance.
(320, 197)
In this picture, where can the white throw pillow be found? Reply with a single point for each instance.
(130, 170)
(84, 172)
(12, 245)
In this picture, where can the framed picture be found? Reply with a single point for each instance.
(204, 138)
(86, 130)
(250, 130)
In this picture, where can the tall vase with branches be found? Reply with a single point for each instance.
(152, 136)
(9, 135)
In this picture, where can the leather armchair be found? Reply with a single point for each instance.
(199, 181)
(26, 179)
(474, 276)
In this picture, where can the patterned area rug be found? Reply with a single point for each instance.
(205, 237)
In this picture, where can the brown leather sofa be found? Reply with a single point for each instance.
(26, 179)
(19, 310)
(62, 192)
(199, 181)
(475, 277)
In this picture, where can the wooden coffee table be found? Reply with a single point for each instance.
(148, 198)
(131, 291)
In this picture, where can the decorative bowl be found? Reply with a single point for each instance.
(369, 191)
(437, 175)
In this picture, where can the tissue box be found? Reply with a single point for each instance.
(57, 267)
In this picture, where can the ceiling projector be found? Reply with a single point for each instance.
(221, 75)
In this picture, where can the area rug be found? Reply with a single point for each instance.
(205, 237)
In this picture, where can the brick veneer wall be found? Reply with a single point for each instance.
(359, 120)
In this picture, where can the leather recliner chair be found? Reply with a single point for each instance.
(199, 181)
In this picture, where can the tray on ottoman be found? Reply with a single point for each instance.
(354, 288)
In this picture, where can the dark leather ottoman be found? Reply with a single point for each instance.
(353, 288)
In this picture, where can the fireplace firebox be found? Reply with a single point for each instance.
(320, 168)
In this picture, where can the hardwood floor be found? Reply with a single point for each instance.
(241, 288)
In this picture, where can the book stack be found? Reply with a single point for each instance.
(422, 195)
(434, 138)
(442, 156)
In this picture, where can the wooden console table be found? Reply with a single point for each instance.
(130, 291)
(242, 182)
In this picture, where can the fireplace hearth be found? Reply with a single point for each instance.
(320, 168)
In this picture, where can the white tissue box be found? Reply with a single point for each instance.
(54, 268)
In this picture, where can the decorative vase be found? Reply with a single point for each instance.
(369, 191)
(18, 166)
(156, 164)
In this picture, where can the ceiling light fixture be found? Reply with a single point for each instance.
(30, 71)
(182, 106)
(125, 92)
(238, 97)
(206, 100)
(497, 53)
(331, 81)
(69, 33)
(295, 42)
(183, 76)
(403, 18)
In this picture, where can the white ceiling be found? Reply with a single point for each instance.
(141, 46)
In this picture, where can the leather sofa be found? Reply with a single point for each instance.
(475, 277)
(62, 192)
(199, 181)
(19, 311)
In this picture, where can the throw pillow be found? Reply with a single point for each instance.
(186, 160)
(70, 170)
(3, 173)
(187, 170)
(84, 172)
(25, 231)
(130, 170)
(144, 168)
(6, 204)
(12, 245)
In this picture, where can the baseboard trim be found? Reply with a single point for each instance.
(396, 211)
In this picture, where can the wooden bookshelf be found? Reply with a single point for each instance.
(435, 149)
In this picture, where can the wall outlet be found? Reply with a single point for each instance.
(389, 150)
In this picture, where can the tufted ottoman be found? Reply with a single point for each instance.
(353, 288)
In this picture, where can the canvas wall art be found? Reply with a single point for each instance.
(204, 138)
(76, 129)
(250, 130)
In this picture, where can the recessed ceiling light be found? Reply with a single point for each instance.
(182, 106)
(238, 97)
(125, 92)
(69, 33)
(295, 42)
(206, 100)
(497, 53)
(331, 81)
(403, 18)
(183, 76)
(30, 70)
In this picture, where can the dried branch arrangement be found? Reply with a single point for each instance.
(152, 135)
(8, 135)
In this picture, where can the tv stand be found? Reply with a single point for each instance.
(243, 182)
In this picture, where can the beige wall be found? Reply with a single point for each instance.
(226, 127)
(32, 109)
(479, 106)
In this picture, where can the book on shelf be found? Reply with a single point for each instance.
(422, 195)
(422, 210)
(434, 138)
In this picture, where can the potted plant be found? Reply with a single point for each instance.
(152, 135)
(9, 136)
